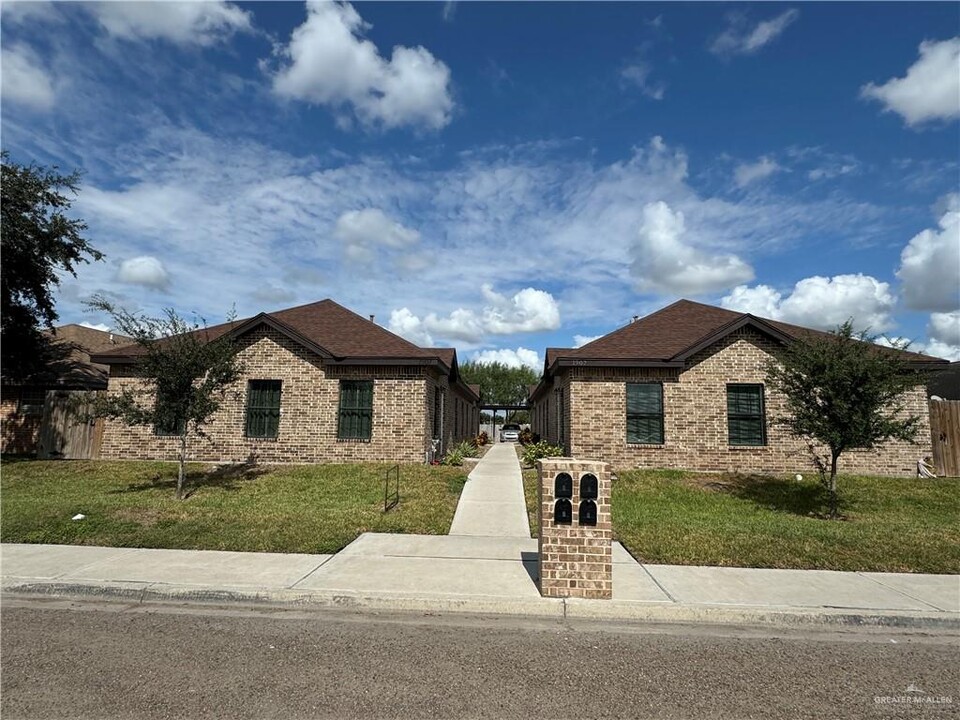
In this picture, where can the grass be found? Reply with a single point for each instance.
(530, 494)
(889, 524)
(304, 508)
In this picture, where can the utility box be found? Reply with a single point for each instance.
(576, 554)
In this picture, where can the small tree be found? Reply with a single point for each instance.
(844, 391)
(186, 375)
(39, 243)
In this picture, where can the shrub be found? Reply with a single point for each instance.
(481, 439)
(456, 455)
(540, 450)
(526, 437)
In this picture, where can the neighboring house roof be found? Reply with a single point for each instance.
(73, 346)
(946, 383)
(668, 337)
(332, 331)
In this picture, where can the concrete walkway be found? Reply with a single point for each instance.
(480, 575)
(492, 503)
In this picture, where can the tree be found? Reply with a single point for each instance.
(500, 384)
(844, 391)
(185, 372)
(38, 240)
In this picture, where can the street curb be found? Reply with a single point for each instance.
(559, 609)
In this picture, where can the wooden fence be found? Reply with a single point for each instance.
(63, 434)
(945, 432)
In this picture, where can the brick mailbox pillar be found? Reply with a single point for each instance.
(576, 556)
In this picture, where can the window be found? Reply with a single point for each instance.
(356, 410)
(645, 413)
(263, 408)
(745, 416)
(31, 401)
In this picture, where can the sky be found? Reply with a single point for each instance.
(503, 177)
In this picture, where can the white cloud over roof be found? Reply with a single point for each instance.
(664, 260)
(821, 302)
(930, 265)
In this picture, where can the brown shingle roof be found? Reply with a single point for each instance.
(329, 327)
(669, 333)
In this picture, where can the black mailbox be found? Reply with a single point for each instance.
(588, 487)
(588, 512)
(563, 512)
(563, 486)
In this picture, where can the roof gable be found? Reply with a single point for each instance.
(325, 327)
(670, 336)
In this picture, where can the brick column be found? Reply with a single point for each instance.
(576, 558)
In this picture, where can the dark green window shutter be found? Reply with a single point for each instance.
(746, 423)
(645, 413)
(263, 408)
(355, 418)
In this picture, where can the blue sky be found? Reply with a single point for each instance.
(504, 177)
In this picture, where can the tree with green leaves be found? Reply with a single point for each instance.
(500, 384)
(38, 241)
(186, 373)
(844, 391)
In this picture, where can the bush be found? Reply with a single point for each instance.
(456, 455)
(540, 450)
(526, 437)
(481, 439)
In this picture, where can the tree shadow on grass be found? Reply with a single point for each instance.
(777, 494)
(224, 477)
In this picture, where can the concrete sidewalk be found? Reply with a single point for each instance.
(480, 575)
(492, 503)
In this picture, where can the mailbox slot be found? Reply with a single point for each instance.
(588, 513)
(563, 512)
(563, 486)
(588, 487)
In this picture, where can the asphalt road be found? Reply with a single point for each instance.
(105, 660)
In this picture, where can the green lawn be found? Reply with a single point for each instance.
(889, 524)
(530, 494)
(304, 508)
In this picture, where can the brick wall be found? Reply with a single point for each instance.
(695, 418)
(574, 560)
(19, 432)
(308, 421)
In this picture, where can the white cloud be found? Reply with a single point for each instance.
(328, 62)
(931, 88)
(185, 23)
(821, 303)
(145, 270)
(746, 173)
(20, 12)
(945, 328)
(759, 300)
(23, 79)
(529, 310)
(511, 358)
(364, 232)
(664, 262)
(940, 350)
(739, 39)
(581, 340)
(638, 75)
(930, 265)
(98, 326)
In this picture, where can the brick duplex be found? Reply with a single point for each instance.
(693, 352)
(311, 350)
